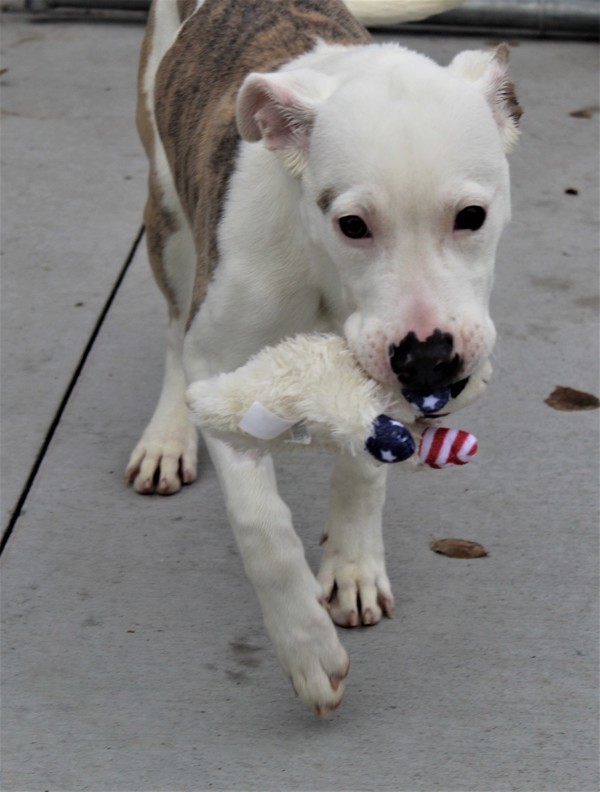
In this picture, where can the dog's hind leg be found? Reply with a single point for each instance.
(165, 457)
(352, 572)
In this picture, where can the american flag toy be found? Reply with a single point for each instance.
(428, 403)
(440, 447)
(390, 440)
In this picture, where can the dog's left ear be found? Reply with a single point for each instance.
(280, 109)
(490, 69)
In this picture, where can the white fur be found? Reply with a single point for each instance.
(405, 144)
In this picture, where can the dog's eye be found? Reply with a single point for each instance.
(354, 227)
(471, 218)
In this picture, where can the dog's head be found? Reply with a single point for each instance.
(405, 192)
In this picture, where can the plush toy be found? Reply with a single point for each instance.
(310, 390)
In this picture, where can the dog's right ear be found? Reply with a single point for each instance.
(280, 109)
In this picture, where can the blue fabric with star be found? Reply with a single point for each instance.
(430, 403)
(390, 440)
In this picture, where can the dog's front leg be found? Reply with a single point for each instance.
(291, 599)
(353, 573)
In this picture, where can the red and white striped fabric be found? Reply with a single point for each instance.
(441, 447)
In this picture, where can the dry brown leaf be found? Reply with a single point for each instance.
(563, 398)
(458, 548)
(585, 112)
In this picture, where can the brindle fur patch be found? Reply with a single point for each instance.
(160, 226)
(325, 199)
(196, 87)
(185, 8)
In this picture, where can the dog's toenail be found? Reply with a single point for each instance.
(368, 617)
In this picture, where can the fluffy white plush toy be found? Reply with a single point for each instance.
(309, 391)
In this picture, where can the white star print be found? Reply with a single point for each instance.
(429, 403)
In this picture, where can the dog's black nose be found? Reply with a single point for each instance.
(424, 366)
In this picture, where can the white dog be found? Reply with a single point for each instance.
(304, 178)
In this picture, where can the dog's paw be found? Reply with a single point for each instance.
(313, 658)
(357, 591)
(165, 457)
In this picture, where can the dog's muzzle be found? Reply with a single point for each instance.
(423, 367)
